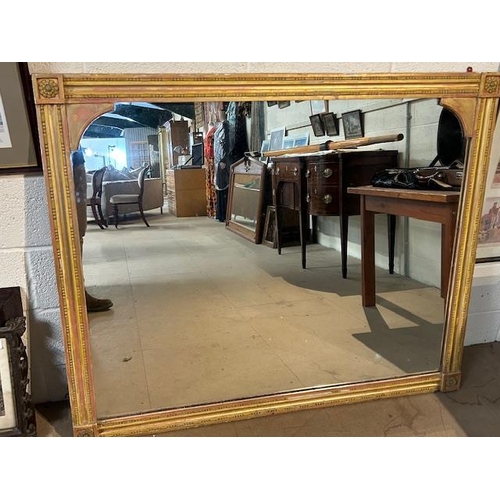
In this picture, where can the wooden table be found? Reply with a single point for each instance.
(434, 206)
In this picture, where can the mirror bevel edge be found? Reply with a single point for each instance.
(58, 131)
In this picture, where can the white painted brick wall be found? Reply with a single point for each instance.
(24, 225)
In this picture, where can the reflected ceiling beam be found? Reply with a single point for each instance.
(136, 114)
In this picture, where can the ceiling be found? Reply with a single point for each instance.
(136, 114)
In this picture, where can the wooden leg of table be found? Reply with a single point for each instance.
(447, 240)
(303, 233)
(277, 218)
(367, 255)
(344, 230)
(391, 233)
(314, 229)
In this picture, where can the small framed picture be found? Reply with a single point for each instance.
(265, 146)
(271, 103)
(283, 104)
(318, 107)
(270, 228)
(301, 140)
(317, 125)
(351, 121)
(288, 142)
(330, 124)
(276, 139)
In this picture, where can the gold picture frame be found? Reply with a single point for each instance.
(67, 103)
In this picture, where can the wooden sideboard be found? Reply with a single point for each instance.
(317, 185)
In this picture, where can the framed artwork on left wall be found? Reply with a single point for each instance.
(19, 144)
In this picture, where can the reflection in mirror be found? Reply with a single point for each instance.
(249, 197)
(202, 314)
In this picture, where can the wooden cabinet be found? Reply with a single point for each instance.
(317, 185)
(176, 134)
(186, 193)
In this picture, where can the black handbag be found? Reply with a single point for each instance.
(441, 178)
(395, 178)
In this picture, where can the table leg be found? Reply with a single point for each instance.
(303, 224)
(367, 255)
(447, 240)
(277, 218)
(344, 230)
(391, 232)
(314, 227)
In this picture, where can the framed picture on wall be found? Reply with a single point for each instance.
(283, 104)
(301, 140)
(318, 107)
(488, 244)
(276, 139)
(353, 127)
(317, 125)
(19, 145)
(329, 124)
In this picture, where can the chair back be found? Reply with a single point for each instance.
(140, 180)
(97, 179)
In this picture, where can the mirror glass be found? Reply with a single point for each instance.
(244, 209)
(249, 197)
(202, 314)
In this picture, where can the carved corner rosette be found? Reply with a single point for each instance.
(49, 89)
(490, 85)
(451, 381)
(85, 431)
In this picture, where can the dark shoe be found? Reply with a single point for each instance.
(97, 305)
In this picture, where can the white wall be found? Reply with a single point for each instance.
(25, 250)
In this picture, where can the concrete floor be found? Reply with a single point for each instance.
(203, 315)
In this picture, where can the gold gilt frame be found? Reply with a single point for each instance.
(66, 104)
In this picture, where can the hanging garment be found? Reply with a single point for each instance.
(221, 155)
(222, 168)
(209, 162)
(257, 127)
(237, 130)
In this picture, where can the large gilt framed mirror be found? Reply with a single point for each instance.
(388, 350)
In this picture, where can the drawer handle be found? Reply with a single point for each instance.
(328, 172)
(328, 198)
(295, 170)
(278, 171)
(308, 198)
(308, 173)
